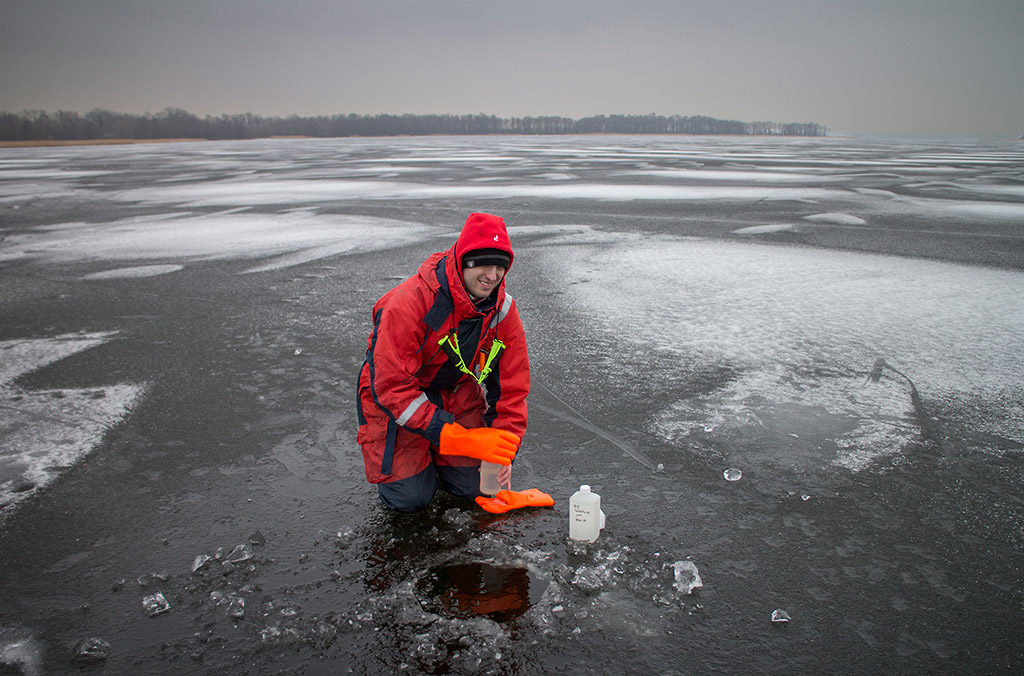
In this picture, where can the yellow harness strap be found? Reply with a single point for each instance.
(485, 364)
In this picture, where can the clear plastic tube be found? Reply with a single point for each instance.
(489, 478)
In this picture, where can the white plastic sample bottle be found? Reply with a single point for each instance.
(489, 477)
(585, 516)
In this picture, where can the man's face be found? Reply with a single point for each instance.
(481, 280)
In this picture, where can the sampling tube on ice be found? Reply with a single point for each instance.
(489, 478)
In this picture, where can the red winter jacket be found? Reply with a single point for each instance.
(408, 382)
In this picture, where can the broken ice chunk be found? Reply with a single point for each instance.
(589, 578)
(687, 576)
(155, 604)
(242, 552)
(236, 609)
(90, 650)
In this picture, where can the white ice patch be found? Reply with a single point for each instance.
(336, 172)
(487, 158)
(999, 211)
(798, 329)
(765, 229)
(1015, 190)
(25, 190)
(837, 218)
(47, 431)
(826, 419)
(37, 174)
(13, 163)
(134, 272)
(763, 176)
(275, 192)
(553, 235)
(373, 239)
(20, 652)
(288, 239)
(24, 356)
(940, 208)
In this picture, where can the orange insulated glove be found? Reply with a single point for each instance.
(506, 500)
(483, 443)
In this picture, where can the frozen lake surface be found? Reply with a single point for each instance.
(182, 325)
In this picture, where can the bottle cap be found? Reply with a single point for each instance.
(584, 488)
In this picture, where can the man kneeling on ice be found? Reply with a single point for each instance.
(446, 376)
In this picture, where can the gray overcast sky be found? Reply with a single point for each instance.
(887, 66)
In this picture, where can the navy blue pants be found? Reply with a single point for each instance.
(416, 492)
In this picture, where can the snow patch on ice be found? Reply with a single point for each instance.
(838, 218)
(18, 357)
(1007, 190)
(20, 652)
(47, 431)
(8, 174)
(731, 175)
(274, 192)
(555, 176)
(560, 234)
(876, 192)
(288, 239)
(134, 272)
(799, 328)
(23, 190)
(1001, 211)
(818, 420)
(765, 229)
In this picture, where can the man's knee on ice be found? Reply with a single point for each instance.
(462, 482)
(409, 495)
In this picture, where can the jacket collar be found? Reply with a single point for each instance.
(448, 280)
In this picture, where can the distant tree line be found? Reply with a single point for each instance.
(100, 124)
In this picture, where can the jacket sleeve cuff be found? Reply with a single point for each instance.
(433, 431)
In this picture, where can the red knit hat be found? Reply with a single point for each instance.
(484, 232)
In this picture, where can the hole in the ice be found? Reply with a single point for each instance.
(478, 589)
